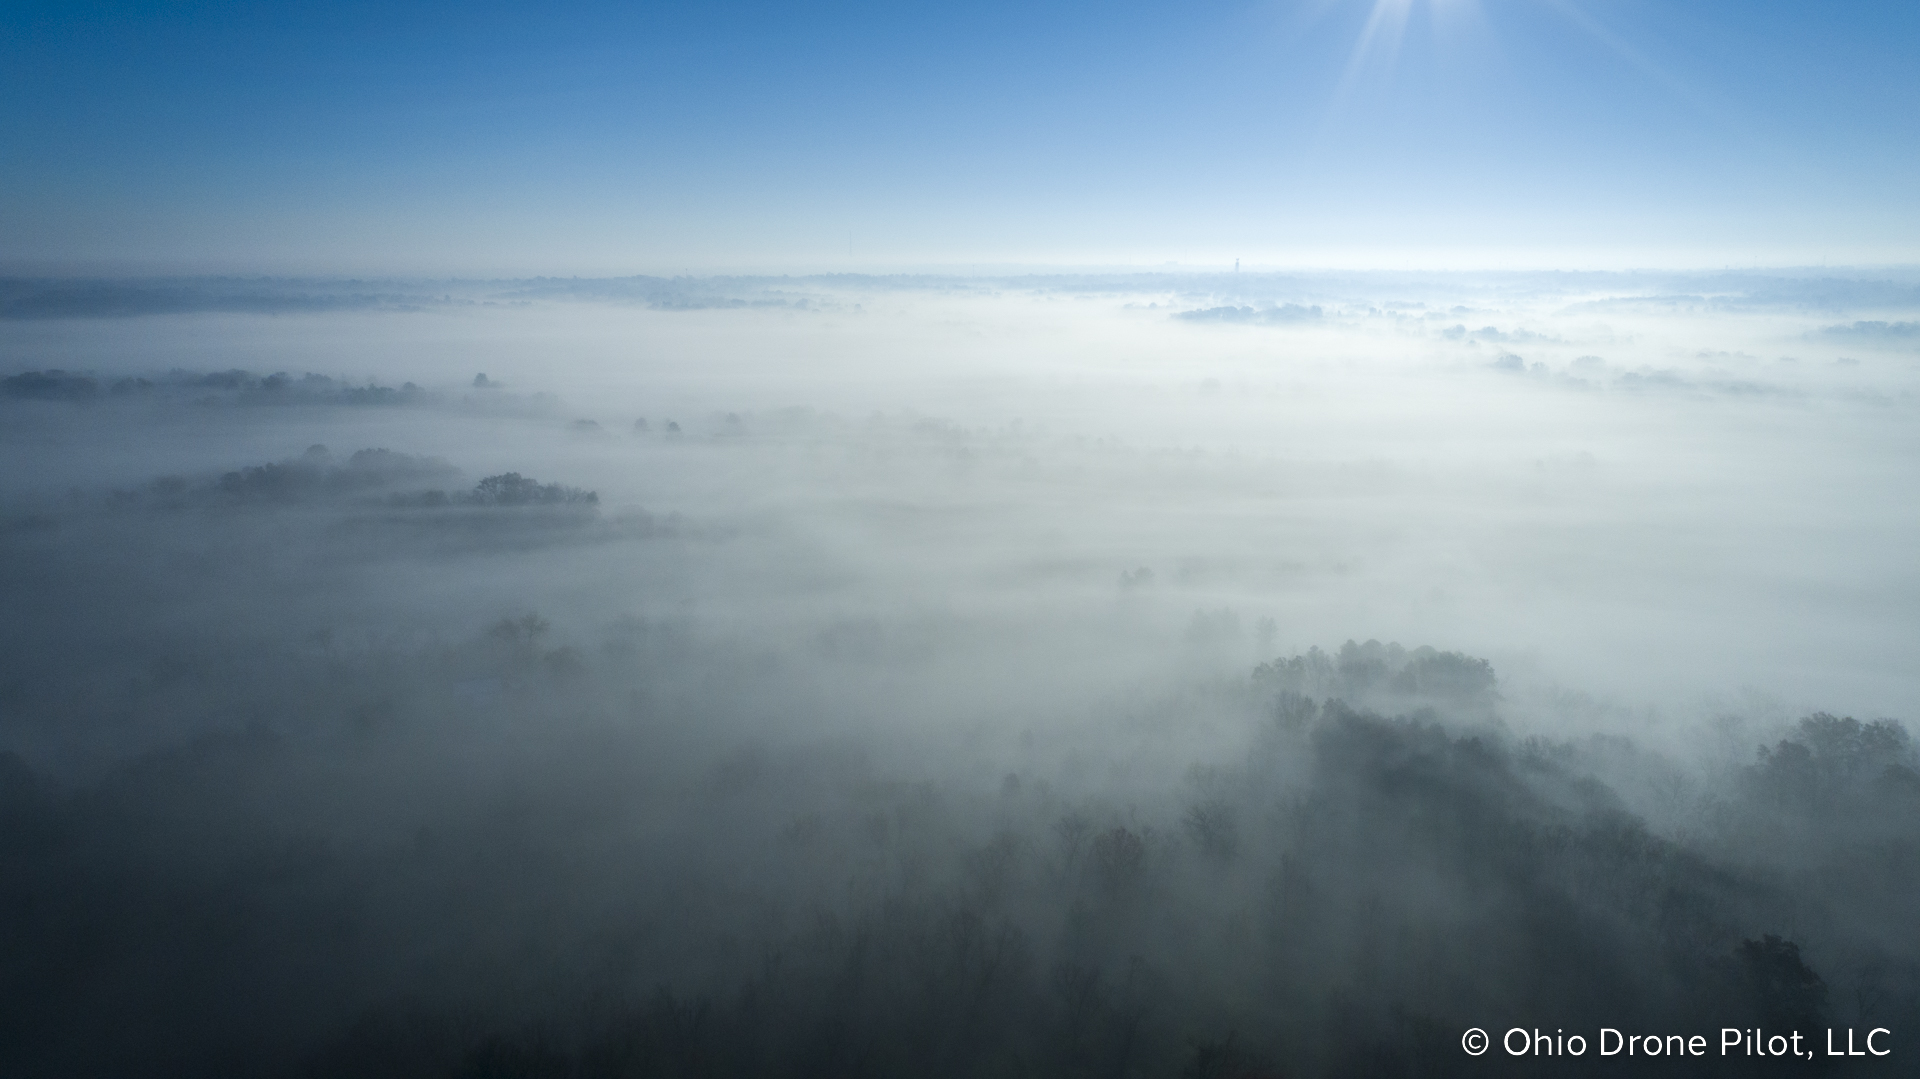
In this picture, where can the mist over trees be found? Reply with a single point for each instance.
(849, 717)
(506, 857)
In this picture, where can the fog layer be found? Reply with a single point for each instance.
(1118, 675)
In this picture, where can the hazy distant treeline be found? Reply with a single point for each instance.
(1278, 294)
(236, 386)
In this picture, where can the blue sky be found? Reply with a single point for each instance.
(609, 138)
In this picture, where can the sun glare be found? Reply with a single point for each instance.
(1380, 41)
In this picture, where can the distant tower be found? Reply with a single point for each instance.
(1236, 265)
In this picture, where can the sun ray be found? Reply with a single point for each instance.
(1598, 31)
(1386, 28)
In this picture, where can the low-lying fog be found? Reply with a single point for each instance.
(905, 610)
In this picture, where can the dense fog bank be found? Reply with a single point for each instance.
(959, 676)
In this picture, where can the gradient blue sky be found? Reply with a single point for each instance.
(487, 138)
